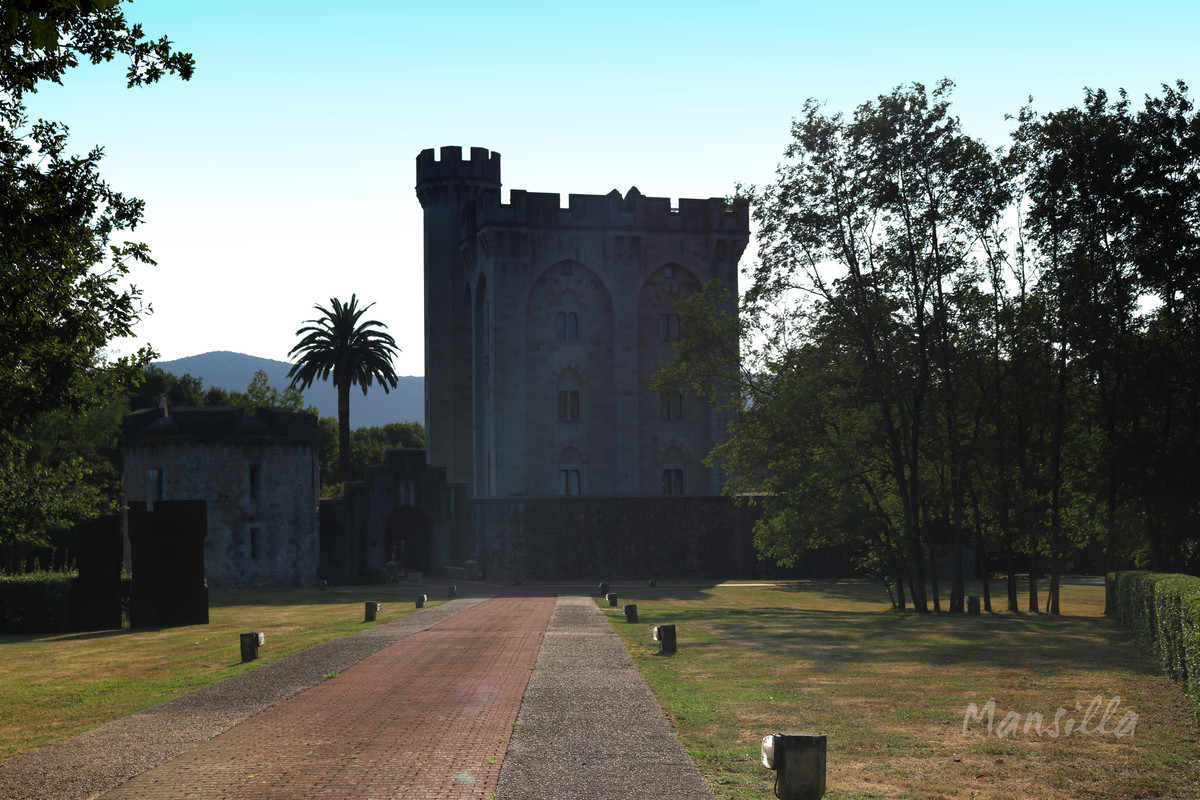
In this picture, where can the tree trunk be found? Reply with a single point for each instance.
(1033, 587)
(343, 401)
(1014, 605)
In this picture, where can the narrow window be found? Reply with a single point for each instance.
(568, 482)
(567, 326)
(254, 543)
(669, 327)
(672, 481)
(668, 272)
(255, 480)
(568, 405)
(672, 406)
(154, 487)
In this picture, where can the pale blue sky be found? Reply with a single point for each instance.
(282, 173)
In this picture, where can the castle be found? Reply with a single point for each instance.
(549, 456)
(544, 326)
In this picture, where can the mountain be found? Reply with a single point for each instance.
(233, 371)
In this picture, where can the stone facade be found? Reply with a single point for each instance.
(611, 538)
(258, 474)
(544, 326)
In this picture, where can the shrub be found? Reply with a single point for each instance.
(37, 602)
(1164, 612)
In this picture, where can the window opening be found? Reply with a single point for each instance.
(567, 326)
(672, 406)
(568, 482)
(568, 405)
(255, 480)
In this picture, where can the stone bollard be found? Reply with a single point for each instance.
(372, 609)
(973, 604)
(603, 587)
(612, 599)
(250, 644)
(665, 636)
(452, 591)
(421, 600)
(799, 761)
(652, 583)
(630, 612)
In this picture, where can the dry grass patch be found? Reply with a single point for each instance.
(55, 686)
(891, 691)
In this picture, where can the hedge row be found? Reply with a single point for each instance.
(46, 602)
(1164, 611)
(37, 602)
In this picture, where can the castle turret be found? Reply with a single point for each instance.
(445, 187)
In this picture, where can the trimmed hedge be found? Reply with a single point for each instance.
(1164, 611)
(37, 602)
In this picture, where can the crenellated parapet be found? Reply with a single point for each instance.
(634, 211)
(450, 178)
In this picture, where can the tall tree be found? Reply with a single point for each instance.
(64, 292)
(353, 351)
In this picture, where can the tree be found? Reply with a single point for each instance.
(63, 292)
(64, 297)
(941, 345)
(351, 350)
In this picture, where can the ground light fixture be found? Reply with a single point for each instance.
(250, 644)
(665, 636)
(798, 760)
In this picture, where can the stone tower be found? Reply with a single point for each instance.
(445, 188)
(544, 326)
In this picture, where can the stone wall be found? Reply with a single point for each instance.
(259, 475)
(613, 538)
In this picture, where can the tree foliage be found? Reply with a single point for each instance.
(353, 351)
(65, 296)
(945, 349)
(63, 268)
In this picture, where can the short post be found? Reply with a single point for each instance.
(652, 583)
(665, 636)
(250, 644)
(799, 760)
(603, 587)
(630, 612)
(372, 609)
(612, 599)
(453, 590)
(421, 601)
(973, 604)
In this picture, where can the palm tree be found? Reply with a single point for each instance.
(338, 344)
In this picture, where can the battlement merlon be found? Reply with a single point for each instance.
(611, 211)
(481, 171)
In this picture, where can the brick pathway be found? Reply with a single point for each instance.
(427, 717)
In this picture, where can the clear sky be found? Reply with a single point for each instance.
(282, 174)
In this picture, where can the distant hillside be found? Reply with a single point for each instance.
(233, 371)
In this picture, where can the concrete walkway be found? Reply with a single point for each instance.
(423, 707)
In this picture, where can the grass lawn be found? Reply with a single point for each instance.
(891, 690)
(55, 686)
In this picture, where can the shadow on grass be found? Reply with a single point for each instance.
(880, 637)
